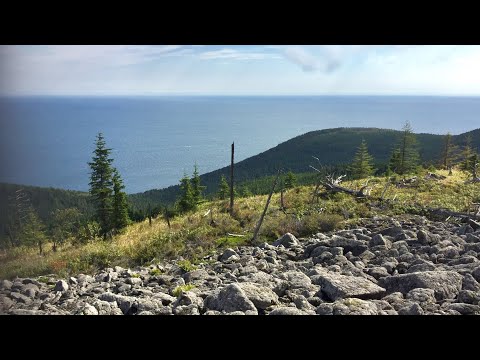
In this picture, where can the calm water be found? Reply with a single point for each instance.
(47, 141)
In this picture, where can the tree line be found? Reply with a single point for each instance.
(405, 158)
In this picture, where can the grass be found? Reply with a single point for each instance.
(193, 235)
(181, 289)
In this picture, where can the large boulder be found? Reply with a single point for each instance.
(288, 240)
(261, 296)
(446, 284)
(229, 299)
(336, 286)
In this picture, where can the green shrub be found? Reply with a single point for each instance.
(182, 288)
(186, 265)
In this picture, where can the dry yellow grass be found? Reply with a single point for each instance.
(192, 234)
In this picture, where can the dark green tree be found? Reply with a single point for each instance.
(474, 164)
(362, 165)
(33, 231)
(290, 180)
(101, 184)
(120, 217)
(466, 154)
(197, 188)
(65, 224)
(449, 154)
(394, 163)
(409, 156)
(187, 200)
(224, 188)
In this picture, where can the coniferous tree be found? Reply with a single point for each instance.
(33, 230)
(362, 165)
(466, 155)
(197, 188)
(394, 163)
(120, 217)
(224, 188)
(101, 184)
(66, 223)
(409, 157)
(474, 163)
(290, 180)
(187, 200)
(449, 153)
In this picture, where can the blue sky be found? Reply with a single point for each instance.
(239, 70)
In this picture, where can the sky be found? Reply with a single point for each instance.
(102, 70)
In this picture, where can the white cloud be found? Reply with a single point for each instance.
(233, 54)
(301, 57)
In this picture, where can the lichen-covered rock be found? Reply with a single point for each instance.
(446, 284)
(229, 299)
(336, 286)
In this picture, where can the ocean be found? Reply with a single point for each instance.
(48, 141)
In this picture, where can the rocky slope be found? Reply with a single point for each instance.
(407, 266)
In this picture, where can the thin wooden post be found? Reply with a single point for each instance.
(231, 180)
(259, 224)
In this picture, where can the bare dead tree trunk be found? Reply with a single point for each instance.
(282, 205)
(259, 224)
(231, 180)
(40, 247)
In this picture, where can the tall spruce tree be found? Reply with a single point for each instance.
(120, 217)
(466, 155)
(197, 188)
(187, 200)
(224, 188)
(449, 153)
(394, 163)
(101, 184)
(409, 156)
(362, 165)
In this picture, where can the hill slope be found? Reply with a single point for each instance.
(331, 146)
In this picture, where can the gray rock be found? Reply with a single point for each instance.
(191, 309)
(286, 311)
(26, 312)
(426, 238)
(446, 284)
(188, 298)
(325, 309)
(261, 296)
(5, 284)
(164, 298)
(354, 306)
(30, 290)
(421, 295)
(61, 286)
(412, 309)
(229, 299)
(469, 283)
(336, 286)
(107, 308)
(89, 310)
(465, 309)
(288, 240)
(469, 297)
(195, 275)
(379, 240)
(20, 298)
(227, 255)
(296, 279)
(134, 281)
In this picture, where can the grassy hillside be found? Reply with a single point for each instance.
(194, 235)
(335, 147)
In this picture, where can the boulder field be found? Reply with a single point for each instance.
(384, 266)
